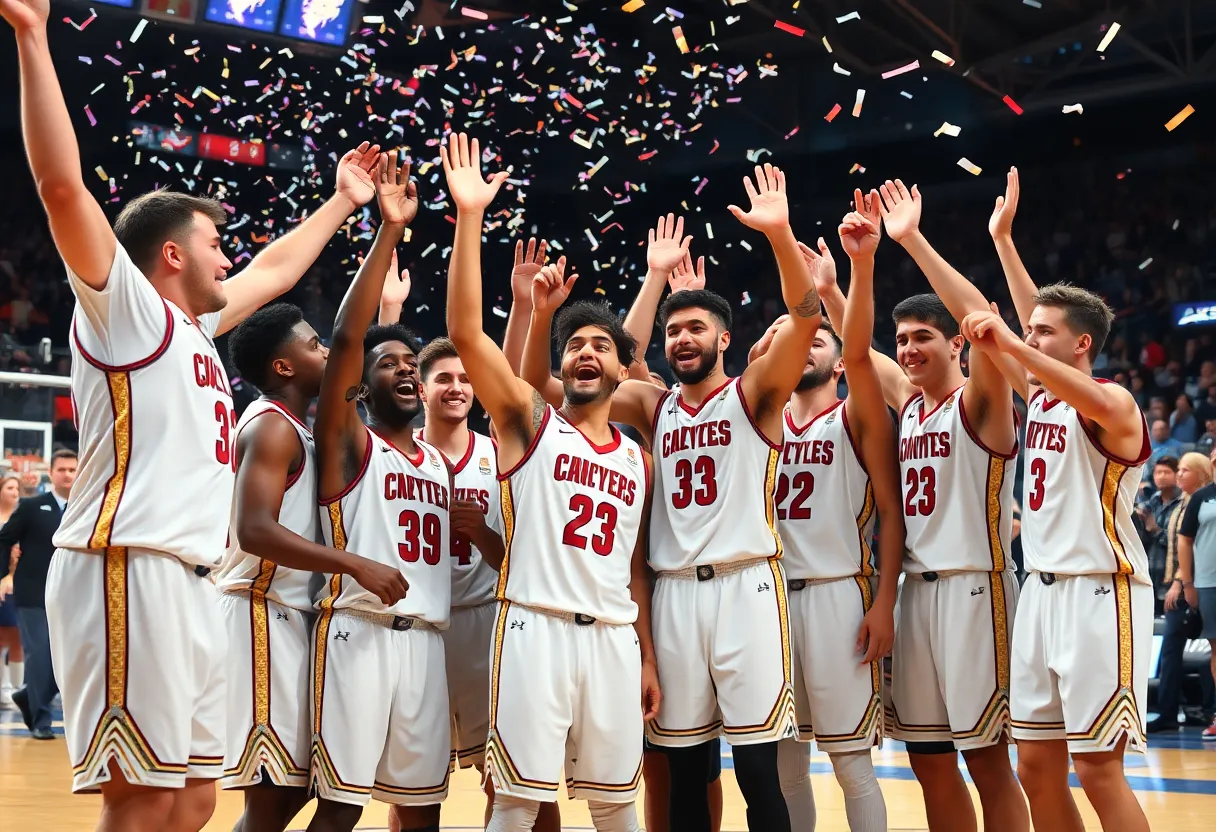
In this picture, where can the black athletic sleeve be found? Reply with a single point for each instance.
(1190, 521)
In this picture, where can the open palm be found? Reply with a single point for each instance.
(666, 245)
(900, 209)
(770, 210)
(551, 287)
(821, 264)
(396, 194)
(527, 266)
(683, 276)
(462, 166)
(396, 284)
(355, 170)
(1000, 224)
(25, 14)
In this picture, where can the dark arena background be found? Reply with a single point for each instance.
(608, 115)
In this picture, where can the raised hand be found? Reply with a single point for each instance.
(684, 277)
(859, 230)
(462, 166)
(551, 287)
(527, 266)
(355, 170)
(770, 210)
(25, 14)
(396, 285)
(988, 331)
(667, 245)
(821, 264)
(900, 209)
(396, 194)
(1000, 224)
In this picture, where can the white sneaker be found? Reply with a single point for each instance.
(6, 698)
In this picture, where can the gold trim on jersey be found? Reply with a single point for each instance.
(338, 532)
(1112, 476)
(782, 716)
(872, 720)
(119, 385)
(261, 643)
(1120, 711)
(771, 473)
(863, 519)
(993, 509)
(608, 788)
(507, 505)
(416, 791)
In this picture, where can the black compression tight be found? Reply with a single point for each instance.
(688, 799)
(756, 773)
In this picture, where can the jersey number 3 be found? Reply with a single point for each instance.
(585, 509)
(225, 454)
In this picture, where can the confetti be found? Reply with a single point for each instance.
(101, 172)
(1011, 104)
(943, 57)
(680, 41)
(139, 29)
(709, 231)
(633, 5)
(787, 27)
(857, 168)
(1182, 116)
(1034, 4)
(861, 96)
(947, 128)
(1073, 108)
(500, 313)
(89, 113)
(969, 166)
(753, 156)
(905, 94)
(1146, 264)
(839, 70)
(746, 299)
(473, 13)
(850, 16)
(832, 113)
(827, 45)
(901, 70)
(1108, 37)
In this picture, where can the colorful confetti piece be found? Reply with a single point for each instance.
(1182, 116)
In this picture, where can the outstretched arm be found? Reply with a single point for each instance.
(769, 381)
(527, 266)
(549, 291)
(281, 264)
(666, 248)
(79, 227)
(340, 434)
(268, 451)
(895, 385)
(515, 408)
(393, 293)
(1000, 226)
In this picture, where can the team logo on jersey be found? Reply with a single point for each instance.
(949, 404)
(434, 459)
(630, 457)
(483, 465)
(831, 418)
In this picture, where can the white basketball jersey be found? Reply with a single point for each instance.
(958, 495)
(1078, 498)
(822, 484)
(572, 512)
(243, 572)
(395, 513)
(474, 580)
(156, 424)
(715, 478)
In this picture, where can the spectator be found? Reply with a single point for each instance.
(1162, 445)
(1153, 515)
(1152, 354)
(13, 669)
(1207, 408)
(32, 526)
(1194, 472)
(1183, 425)
(1197, 566)
(1207, 442)
(1206, 380)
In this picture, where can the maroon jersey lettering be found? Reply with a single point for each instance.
(690, 437)
(399, 486)
(924, 446)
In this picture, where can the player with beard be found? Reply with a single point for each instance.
(380, 700)
(720, 608)
(273, 554)
(573, 629)
(839, 461)
(958, 438)
(1084, 629)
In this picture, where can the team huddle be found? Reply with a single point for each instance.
(350, 611)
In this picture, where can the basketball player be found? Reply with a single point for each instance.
(957, 440)
(720, 608)
(1084, 631)
(839, 461)
(133, 624)
(273, 553)
(572, 636)
(380, 725)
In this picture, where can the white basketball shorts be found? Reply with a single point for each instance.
(467, 644)
(722, 641)
(838, 698)
(380, 712)
(139, 652)
(950, 663)
(269, 664)
(1080, 661)
(564, 693)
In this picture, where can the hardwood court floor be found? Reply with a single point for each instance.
(1175, 781)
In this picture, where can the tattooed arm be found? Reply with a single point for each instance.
(769, 381)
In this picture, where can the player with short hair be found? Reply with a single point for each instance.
(274, 552)
(839, 461)
(380, 696)
(957, 442)
(720, 607)
(572, 636)
(1084, 630)
(134, 627)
